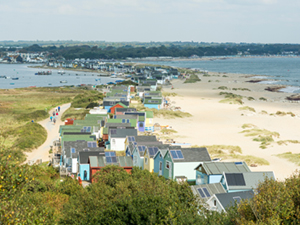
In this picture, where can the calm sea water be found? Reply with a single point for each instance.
(28, 78)
(285, 71)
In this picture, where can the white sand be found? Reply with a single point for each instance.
(215, 123)
(42, 152)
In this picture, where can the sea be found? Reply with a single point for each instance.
(278, 70)
(27, 77)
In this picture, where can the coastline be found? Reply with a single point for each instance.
(215, 123)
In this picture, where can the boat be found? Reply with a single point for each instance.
(119, 81)
(44, 73)
(113, 76)
(7, 77)
(12, 83)
(15, 78)
(63, 81)
(2, 76)
(98, 79)
(110, 83)
(50, 84)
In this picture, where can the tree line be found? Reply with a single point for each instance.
(110, 52)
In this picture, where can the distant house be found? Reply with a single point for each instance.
(98, 162)
(108, 103)
(84, 166)
(149, 154)
(153, 103)
(220, 202)
(117, 138)
(121, 111)
(233, 182)
(159, 161)
(140, 140)
(149, 122)
(138, 156)
(212, 172)
(118, 105)
(204, 192)
(182, 162)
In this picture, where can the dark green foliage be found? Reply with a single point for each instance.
(29, 136)
(141, 198)
(192, 79)
(88, 100)
(127, 83)
(231, 95)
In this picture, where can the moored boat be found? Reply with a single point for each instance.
(63, 81)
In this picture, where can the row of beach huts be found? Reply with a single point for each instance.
(115, 133)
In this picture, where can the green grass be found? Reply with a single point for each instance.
(223, 88)
(169, 94)
(231, 98)
(279, 113)
(285, 142)
(247, 108)
(35, 115)
(250, 98)
(230, 152)
(248, 125)
(294, 158)
(262, 99)
(241, 89)
(192, 79)
(263, 136)
(168, 131)
(74, 113)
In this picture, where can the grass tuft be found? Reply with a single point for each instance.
(294, 158)
(192, 79)
(247, 108)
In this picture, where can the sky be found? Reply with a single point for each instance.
(251, 21)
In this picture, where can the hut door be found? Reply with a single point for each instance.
(170, 170)
(160, 169)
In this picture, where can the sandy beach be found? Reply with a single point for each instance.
(215, 123)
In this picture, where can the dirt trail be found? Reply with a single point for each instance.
(52, 129)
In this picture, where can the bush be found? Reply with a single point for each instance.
(192, 79)
(35, 115)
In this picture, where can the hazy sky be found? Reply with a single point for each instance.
(264, 21)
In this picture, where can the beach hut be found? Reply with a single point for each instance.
(118, 105)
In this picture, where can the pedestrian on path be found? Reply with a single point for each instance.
(54, 120)
(58, 108)
(57, 113)
(53, 113)
(51, 118)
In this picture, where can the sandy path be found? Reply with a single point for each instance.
(215, 123)
(42, 152)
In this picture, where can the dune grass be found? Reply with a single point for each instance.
(192, 79)
(241, 89)
(230, 152)
(169, 94)
(250, 98)
(263, 112)
(79, 114)
(223, 88)
(231, 98)
(294, 158)
(248, 125)
(286, 142)
(247, 108)
(168, 131)
(263, 136)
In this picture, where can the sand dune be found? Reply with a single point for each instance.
(215, 123)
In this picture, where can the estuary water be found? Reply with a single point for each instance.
(281, 71)
(28, 78)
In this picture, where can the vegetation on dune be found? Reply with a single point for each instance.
(78, 114)
(231, 98)
(169, 94)
(192, 79)
(281, 113)
(262, 99)
(223, 88)
(250, 98)
(285, 142)
(292, 157)
(263, 112)
(248, 125)
(247, 108)
(230, 152)
(168, 131)
(87, 100)
(263, 136)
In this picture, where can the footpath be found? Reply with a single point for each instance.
(52, 129)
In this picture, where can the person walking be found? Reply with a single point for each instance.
(53, 113)
(51, 118)
(57, 114)
(58, 108)
(54, 120)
